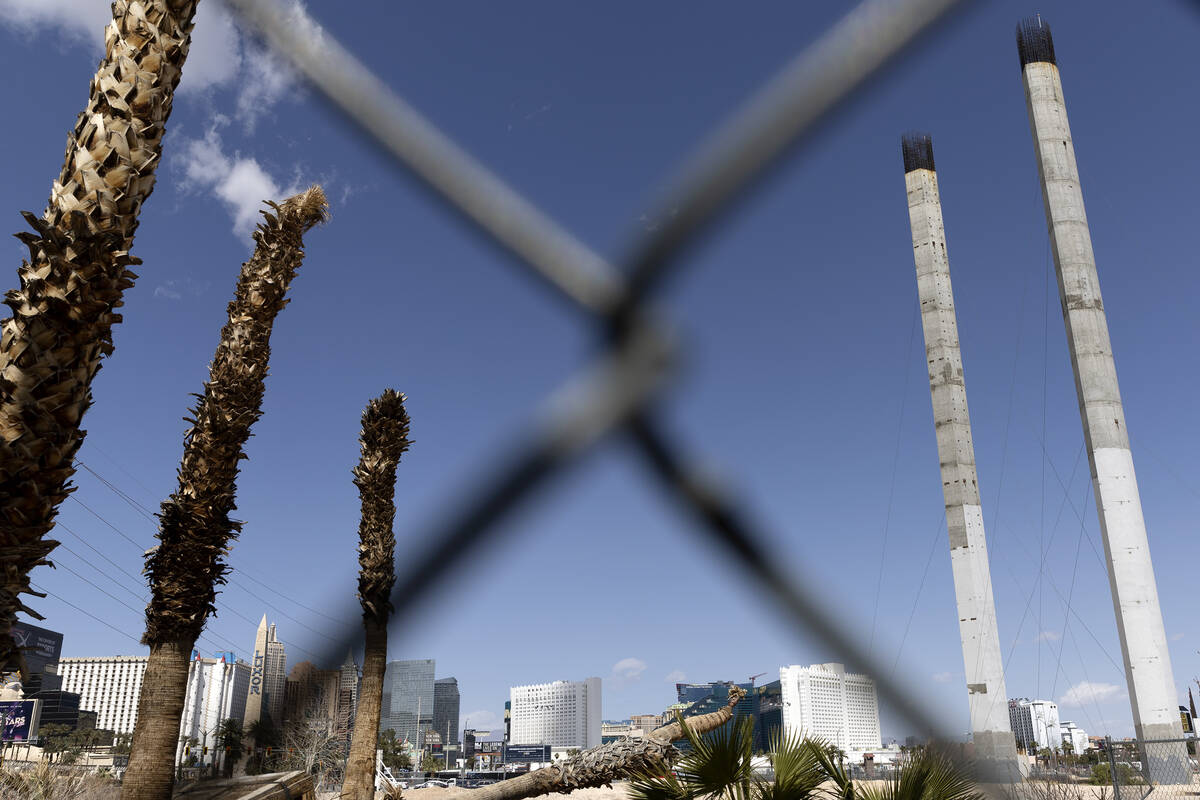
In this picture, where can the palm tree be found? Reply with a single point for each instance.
(383, 440)
(195, 528)
(719, 766)
(76, 276)
(229, 738)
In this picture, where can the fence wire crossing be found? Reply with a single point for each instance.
(617, 392)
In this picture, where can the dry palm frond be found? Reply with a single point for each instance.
(384, 439)
(195, 528)
(76, 275)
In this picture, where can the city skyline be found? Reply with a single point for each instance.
(803, 372)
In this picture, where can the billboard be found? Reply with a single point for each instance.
(525, 753)
(40, 646)
(20, 719)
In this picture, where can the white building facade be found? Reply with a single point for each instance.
(216, 692)
(825, 701)
(1075, 736)
(1034, 723)
(112, 686)
(109, 686)
(561, 714)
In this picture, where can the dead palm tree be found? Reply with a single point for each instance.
(600, 766)
(195, 528)
(384, 438)
(77, 272)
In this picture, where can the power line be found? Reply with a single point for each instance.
(141, 547)
(98, 552)
(151, 517)
(86, 613)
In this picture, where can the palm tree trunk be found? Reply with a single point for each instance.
(195, 527)
(360, 766)
(602, 765)
(160, 709)
(383, 440)
(75, 278)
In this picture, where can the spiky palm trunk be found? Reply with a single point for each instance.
(195, 528)
(384, 439)
(77, 272)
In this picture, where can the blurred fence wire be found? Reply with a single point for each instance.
(616, 393)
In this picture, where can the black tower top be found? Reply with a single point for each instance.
(1034, 41)
(917, 149)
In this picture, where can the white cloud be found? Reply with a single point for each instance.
(483, 721)
(628, 670)
(676, 676)
(77, 20)
(943, 677)
(167, 290)
(221, 55)
(240, 183)
(1048, 636)
(1088, 692)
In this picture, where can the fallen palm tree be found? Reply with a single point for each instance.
(600, 766)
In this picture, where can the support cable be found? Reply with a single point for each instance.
(895, 467)
(937, 535)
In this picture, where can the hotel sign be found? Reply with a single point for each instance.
(256, 674)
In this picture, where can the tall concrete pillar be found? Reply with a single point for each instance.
(1130, 573)
(995, 749)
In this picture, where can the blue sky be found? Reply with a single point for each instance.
(802, 383)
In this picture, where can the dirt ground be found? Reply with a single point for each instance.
(434, 793)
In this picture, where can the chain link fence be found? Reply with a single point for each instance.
(615, 394)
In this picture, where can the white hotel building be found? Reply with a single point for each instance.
(111, 687)
(825, 701)
(561, 714)
(1034, 723)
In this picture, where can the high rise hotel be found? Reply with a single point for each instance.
(827, 702)
(562, 713)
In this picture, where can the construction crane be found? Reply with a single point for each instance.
(752, 677)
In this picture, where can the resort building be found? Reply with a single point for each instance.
(109, 686)
(408, 699)
(1034, 723)
(825, 701)
(560, 714)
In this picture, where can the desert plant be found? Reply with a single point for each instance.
(195, 528)
(720, 765)
(383, 440)
(76, 276)
(44, 782)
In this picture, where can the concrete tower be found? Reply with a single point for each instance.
(1130, 573)
(995, 749)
